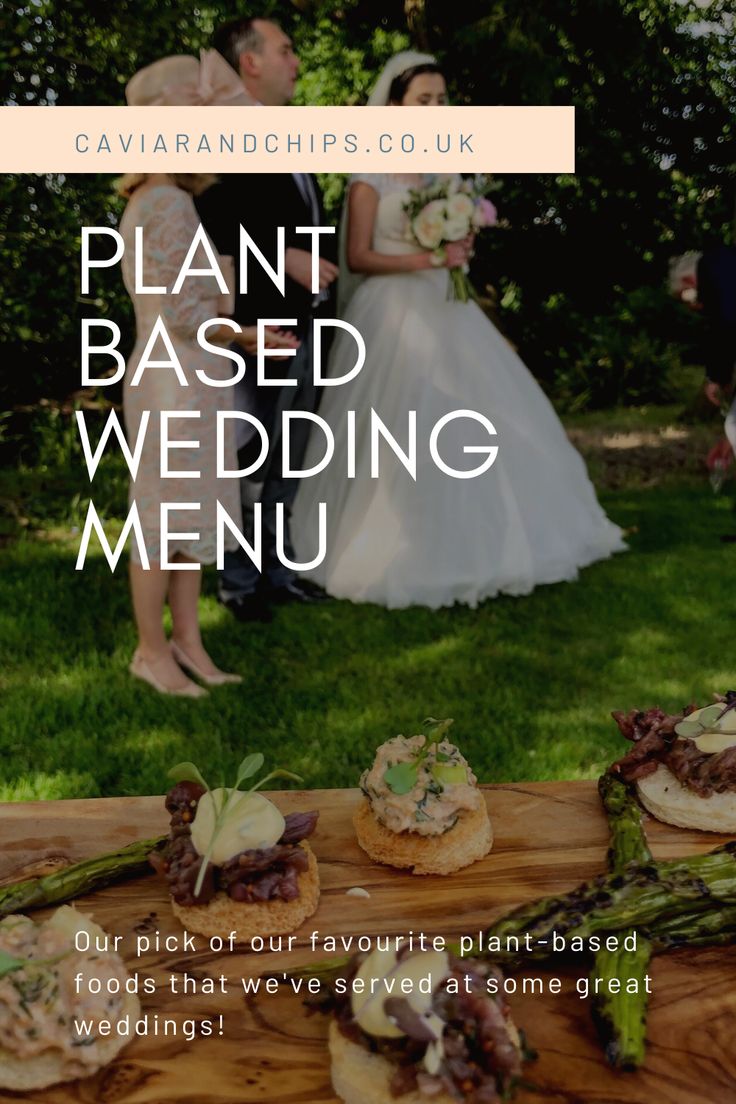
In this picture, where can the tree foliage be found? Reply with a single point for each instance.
(654, 86)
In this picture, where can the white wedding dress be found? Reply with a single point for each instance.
(532, 518)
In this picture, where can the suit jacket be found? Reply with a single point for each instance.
(717, 293)
(261, 202)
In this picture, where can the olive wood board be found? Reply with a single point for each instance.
(549, 837)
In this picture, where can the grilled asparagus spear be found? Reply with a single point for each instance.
(628, 842)
(80, 878)
(647, 896)
(620, 1017)
(714, 927)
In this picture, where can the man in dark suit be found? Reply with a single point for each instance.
(717, 293)
(716, 282)
(263, 56)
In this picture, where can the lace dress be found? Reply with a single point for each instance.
(169, 221)
(532, 518)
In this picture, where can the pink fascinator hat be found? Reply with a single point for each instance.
(182, 81)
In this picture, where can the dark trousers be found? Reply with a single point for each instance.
(717, 293)
(720, 349)
(268, 485)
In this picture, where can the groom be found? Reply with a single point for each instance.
(716, 282)
(263, 56)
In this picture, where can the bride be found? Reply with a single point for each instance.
(531, 518)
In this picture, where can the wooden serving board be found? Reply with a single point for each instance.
(549, 836)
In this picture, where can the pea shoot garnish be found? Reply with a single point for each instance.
(401, 778)
(708, 719)
(224, 799)
(9, 964)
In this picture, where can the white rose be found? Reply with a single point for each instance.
(460, 206)
(456, 228)
(429, 225)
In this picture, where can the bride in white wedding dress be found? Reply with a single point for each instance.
(531, 518)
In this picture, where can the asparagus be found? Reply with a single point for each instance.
(620, 1017)
(626, 847)
(628, 842)
(646, 896)
(687, 901)
(703, 929)
(80, 878)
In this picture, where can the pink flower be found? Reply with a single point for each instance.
(485, 214)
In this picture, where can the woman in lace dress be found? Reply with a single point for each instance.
(531, 518)
(163, 207)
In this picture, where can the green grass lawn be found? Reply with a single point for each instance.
(530, 681)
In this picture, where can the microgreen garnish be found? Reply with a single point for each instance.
(709, 718)
(434, 730)
(730, 700)
(188, 772)
(250, 766)
(9, 963)
(401, 778)
(288, 775)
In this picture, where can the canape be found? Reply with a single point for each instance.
(684, 765)
(422, 1026)
(233, 862)
(51, 1024)
(421, 806)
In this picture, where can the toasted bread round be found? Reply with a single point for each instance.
(48, 1068)
(665, 797)
(359, 1077)
(468, 840)
(222, 915)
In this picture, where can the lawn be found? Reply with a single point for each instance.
(530, 681)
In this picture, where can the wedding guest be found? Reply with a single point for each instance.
(716, 283)
(162, 204)
(263, 57)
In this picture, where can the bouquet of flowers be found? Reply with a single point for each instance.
(683, 278)
(447, 211)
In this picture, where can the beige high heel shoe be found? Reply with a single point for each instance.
(220, 679)
(140, 670)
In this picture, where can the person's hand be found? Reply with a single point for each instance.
(458, 253)
(299, 268)
(713, 392)
(720, 456)
(247, 339)
(274, 338)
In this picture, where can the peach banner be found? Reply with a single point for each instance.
(287, 139)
